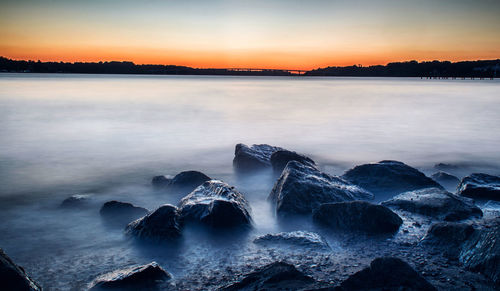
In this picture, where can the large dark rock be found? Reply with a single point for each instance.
(185, 181)
(387, 178)
(358, 216)
(76, 201)
(447, 180)
(280, 158)
(480, 186)
(275, 276)
(295, 238)
(436, 203)
(449, 236)
(159, 225)
(256, 157)
(481, 252)
(13, 277)
(215, 204)
(389, 274)
(145, 277)
(301, 188)
(121, 212)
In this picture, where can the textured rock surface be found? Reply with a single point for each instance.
(301, 189)
(480, 186)
(436, 203)
(13, 277)
(144, 277)
(161, 224)
(295, 238)
(447, 180)
(280, 158)
(121, 212)
(358, 216)
(387, 178)
(448, 235)
(256, 157)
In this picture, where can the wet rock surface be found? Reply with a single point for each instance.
(76, 201)
(357, 216)
(436, 203)
(447, 180)
(253, 158)
(159, 225)
(117, 212)
(13, 277)
(216, 204)
(449, 236)
(145, 277)
(299, 238)
(387, 178)
(280, 158)
(184, 182)
(480, 186)
(300, 189)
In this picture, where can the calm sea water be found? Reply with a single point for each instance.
(109, 134)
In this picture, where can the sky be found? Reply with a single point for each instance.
(284, 34)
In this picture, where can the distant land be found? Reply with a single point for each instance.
(467, 69)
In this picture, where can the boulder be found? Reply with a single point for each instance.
(215, 204)
(280, 158)
(299, 238)
(448, 235)
(77, 200)
(387, 178)
(143, 277)
(275, 276)
(185, 181)
(481, 252)
(256, 157)
(301, 188)
(436, 203)
(121, 212)
(13, 277)
(447, 180)
(159, 225)
(386, 273)
(358, 216)
(480, 186)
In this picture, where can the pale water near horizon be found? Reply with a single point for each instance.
(65, 134)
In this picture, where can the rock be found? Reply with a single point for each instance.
(185, 181)
(448, 235)
(358, 216)
(159, 225)
(275, 276)
(387, 178)
(301, 188)
(161, 182)
(480, 186)
(446, 167)
(134, 278)
(386, 273)
(436, 203)
(481, 252)
(13, 277)
(215, 204)
(447, 180)
(295, 238)
(77, 200)
(121, 212)
(256, 157)
(280, 158)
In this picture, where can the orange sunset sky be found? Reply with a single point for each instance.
(287, 34)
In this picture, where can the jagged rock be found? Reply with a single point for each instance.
(280, 158)
(387, 178)
(302, 188)
(161, 224)
(447, 180)
(77, 200)
(275, 276)
(295, 238)
(448, 235)
(13, 277)
(480, 186)
(481, 252)
(215, 204)
(186, 181)
(386, 273)
(121, 212)
(358, 216)
(161, 182)
(436, 203)
(256, 157)
(143, 277)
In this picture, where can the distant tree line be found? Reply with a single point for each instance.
(485, 69)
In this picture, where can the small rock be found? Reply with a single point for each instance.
(143, 277)
(161, 182)
(185, 181)
(294, 238)
(447, 180)
(77, 200)
(480, 186)
(254, 158)
(121, 212)
(161, 224)
(280, 158)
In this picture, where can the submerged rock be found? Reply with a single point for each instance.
(280, 158)
(448, 235)
(480, 186)
(295, 238)
(358, 216)
(387, 178)
(121, 212)
(13, 277)
(160, 182)
(215, 204)
(302, 188)
(447, 180)
(275, 276)
(161, 224)
(386, 273)
(77, 200)
(256, 157)
(186, 181)
(143, 277)
(436, 203)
